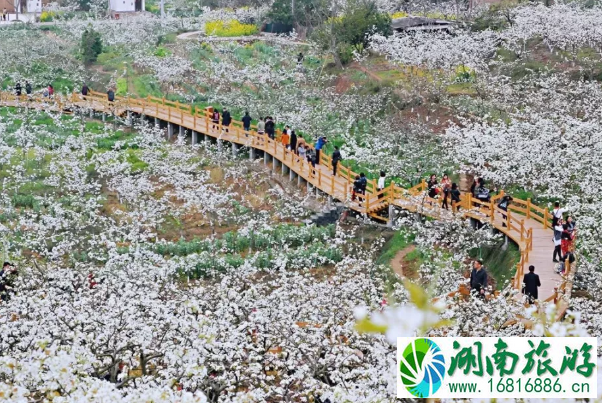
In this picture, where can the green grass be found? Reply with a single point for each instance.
(461, 89)
(400, 240)
(146, 85)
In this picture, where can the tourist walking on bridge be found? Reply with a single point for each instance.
(319, 145)
(111, 95)
(503, 205)
(260, 127)
(215, 118)
(478, 278)
(293, 142)
(455, 197)
(270, 127)
(246, 122)
(530, 284)
(432, 186)
(284, 138)
(336, 158)
(226, 119)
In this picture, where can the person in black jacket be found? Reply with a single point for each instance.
(336, 157)
(111, 95)
(85, 90)
(432, 186)
(226, 119)
(455, 196)
(503, 205)
(530, 284)
(270, 127)
(18, 89)
(293, 142)
(246, 122)
(28, 88)
(478, 278)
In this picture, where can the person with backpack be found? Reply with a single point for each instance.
(455, 197)
(226, 119)
(246, 123)
(28, 89)
(111, 95)
(363, 185)
(503, 205)
(18, 89)
(336, 158)
(215, 118)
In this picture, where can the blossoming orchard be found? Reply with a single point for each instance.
(241, 201)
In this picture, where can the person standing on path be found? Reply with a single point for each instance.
(319, 144)
(446, 187)
(270, 127)
(503, 205)
(557, 213)
(557, 242)
(226, 119)
(215, 117)
(432, 186)
(478, 278)
(530, 284)
(111, 95)
(381, 184)
(455, 197)
(293, 142)
(27, 88)
(357, 188)
(261, 127)
(285, 138)
(85, 90)
(363, 185)
(336, 157)
(246, 123)
(18, 90)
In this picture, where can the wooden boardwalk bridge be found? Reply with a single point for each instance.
(528, 225)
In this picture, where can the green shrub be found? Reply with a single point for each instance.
(91, 46)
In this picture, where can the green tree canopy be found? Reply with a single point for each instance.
(91, 45)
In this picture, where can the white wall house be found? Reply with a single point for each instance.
(34, 6)
(126, 6)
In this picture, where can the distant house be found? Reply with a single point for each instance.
(23, 6)
(409, 24)
(126, 6)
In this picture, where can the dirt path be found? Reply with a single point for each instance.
(200, 36)
(398, 262)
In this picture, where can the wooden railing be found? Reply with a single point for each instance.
(339, 186)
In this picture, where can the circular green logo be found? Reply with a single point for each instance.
(422, 368)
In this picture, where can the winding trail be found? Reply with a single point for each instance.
(528, 225)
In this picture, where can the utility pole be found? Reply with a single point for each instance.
(162, 10)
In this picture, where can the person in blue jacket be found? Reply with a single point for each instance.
(319, 144)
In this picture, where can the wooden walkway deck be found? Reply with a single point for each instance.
(527, 225)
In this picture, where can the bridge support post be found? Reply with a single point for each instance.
(267, 158)
(169, 130)
(299, 180)
(329, 201)
(252, 154)
(473, 223)
(220, 145)
(292, 175)
(91, 113)
(157, 123)
(182, 132)
(492, 230)
(195, 137)
(308, 187)
(104, 117)
(417, 216)
(285, 169)
(129, 121)
(391, 219)
(234, 149)
(275, 164)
